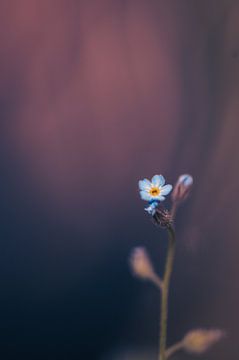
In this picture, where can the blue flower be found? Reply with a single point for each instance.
(154, 190)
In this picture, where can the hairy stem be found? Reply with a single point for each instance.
(174, 209)
(165, 290)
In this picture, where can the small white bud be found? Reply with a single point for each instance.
(182, 188)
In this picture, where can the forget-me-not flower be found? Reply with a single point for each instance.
(154, 190)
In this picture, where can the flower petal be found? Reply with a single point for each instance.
(158, 180)
(144, 184)
(165, 190)
(158, 198)
(145, 195)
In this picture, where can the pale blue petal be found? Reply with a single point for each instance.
(159, 198)
(145, 195)
(144, 184)
(166, 189)
(141, 185)
(158, 180)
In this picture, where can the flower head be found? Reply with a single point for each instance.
(182, 188)
(154, 190)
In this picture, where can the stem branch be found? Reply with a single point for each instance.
(157, 281)
(174, 348)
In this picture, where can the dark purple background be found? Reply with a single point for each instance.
(95, 95)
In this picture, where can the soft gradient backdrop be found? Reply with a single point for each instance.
(95, 95)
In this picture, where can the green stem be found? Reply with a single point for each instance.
(165, 290)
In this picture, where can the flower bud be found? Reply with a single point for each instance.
(141, 264)
(199, 341)
(151, 208)
(182, 188)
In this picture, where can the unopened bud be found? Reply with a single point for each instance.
(182, 188)
(199, 341)
(152, 208)
(141, 264)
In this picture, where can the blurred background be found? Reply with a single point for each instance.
(95, 95)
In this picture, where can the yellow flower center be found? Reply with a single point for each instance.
(154, 191)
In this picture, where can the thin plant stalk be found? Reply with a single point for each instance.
(174, 348)
(174, 209)
(165, 291)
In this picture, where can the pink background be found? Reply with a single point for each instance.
(95, 95)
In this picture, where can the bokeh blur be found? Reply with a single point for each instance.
(95, 95)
